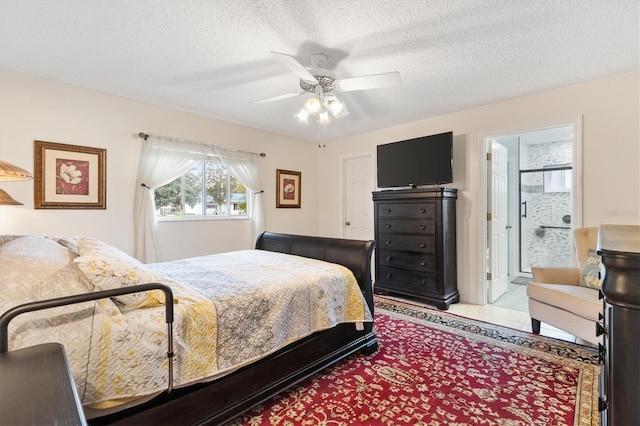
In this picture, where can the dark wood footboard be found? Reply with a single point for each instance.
(222, 400)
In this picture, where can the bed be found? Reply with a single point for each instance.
(318, 324)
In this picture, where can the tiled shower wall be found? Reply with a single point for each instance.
(545, 246)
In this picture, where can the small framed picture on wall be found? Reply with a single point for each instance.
(69, 176)
(288, 189)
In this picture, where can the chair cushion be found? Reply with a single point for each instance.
(582, 301)
(591, 271)
(557, 275)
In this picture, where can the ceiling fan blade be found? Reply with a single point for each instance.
(277, 98)
(295, 66)
(374, 81)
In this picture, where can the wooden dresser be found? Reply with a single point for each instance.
(619, 246)
(415, 233)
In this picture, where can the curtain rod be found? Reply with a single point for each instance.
(145, 136)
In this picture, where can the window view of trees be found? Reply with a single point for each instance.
(208, 189)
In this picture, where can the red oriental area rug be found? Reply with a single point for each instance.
(435, 368)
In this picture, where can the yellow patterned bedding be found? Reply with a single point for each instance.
(230, 310)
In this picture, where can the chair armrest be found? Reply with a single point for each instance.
(557, 275)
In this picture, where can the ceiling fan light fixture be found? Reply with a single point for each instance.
(302, 115)
(313, 105)
(335, 106)
(324, 117)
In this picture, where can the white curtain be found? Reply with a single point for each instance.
(164, 159)
(244, 166)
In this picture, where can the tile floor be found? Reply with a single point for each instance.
(509, 318)
(515, 298)
(510, 310)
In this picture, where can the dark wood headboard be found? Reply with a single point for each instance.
(353, 254)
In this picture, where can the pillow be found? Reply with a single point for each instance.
(37, 268)
(7, 238)
(109, 268)
(591, 271)
(69, 242)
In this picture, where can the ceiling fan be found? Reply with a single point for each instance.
(321, 83)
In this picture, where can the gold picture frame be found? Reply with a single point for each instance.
(69, 176)
(288, 189)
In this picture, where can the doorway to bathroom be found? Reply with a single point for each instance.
(533, 202)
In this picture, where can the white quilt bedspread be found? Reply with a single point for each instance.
(264, 300)
(230, 309)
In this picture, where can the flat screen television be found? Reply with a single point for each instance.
(427, 160)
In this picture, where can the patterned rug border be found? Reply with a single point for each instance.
(499, 333)
(583, 358)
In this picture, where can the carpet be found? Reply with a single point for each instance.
(436, 368)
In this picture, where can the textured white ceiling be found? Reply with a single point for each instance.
(212, 57)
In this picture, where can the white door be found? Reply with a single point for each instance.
(358, 202)
(497, 222)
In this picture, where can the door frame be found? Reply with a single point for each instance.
(576, 218)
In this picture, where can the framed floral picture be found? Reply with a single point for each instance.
(69, 176)
(288, 189)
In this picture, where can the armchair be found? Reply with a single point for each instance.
(557, 298)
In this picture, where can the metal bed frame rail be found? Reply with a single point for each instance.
(86, 297)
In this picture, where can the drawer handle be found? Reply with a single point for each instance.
(388, 259)
(422, 211)
(387, 242)
(602, 352)
(423, 281)
(387, 225)
(387, 210)
(423, 263)
(388, 275)
(422, 245)
(602, 404)
(422, 227)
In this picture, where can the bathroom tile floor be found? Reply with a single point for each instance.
(515, 298)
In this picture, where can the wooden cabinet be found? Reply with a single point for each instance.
(619, 246)
(415, 232)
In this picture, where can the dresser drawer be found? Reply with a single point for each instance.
(406, 280)
(407, 226)
(407, 210)
(423, 262)
(417, 243)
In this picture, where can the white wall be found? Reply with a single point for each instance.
(611, 155)
(37, 109)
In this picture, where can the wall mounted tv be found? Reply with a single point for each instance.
(427, 160)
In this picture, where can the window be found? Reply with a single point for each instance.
(207, 190)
